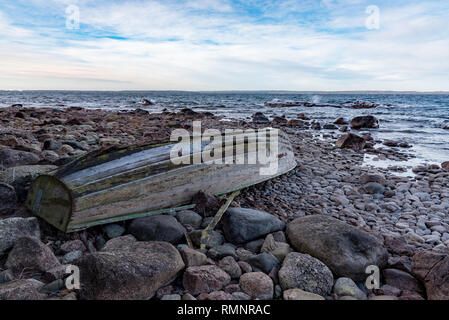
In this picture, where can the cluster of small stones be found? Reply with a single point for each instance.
(327, 181)
(407, 213)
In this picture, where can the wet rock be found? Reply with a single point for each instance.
(302, 116)
(259, 117)
(295, 123)
(215, 238)
(341, 121)
(193, 257)
(432, 267)
(205, 279)
(22, 290)
(330, 127)
(264, 262)
(241, 225)
(306, 273)
(347, 287)
(158, 228)
(132, 270)
(278, 249)
(350, 141)
(257, 285)
(189, 217)
(31, 254)
(346, 250)
(12, 158)
(12, 229)
(364, 122)
(315, 126)
(8, 199)
(229, 265)
(298, 294)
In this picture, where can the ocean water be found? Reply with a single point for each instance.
(414, 118)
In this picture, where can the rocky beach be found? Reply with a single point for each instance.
(306, 235)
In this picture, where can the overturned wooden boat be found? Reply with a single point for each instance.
(130, 182)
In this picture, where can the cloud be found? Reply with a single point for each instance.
(223, 45)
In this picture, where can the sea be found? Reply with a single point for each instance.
(418, 119)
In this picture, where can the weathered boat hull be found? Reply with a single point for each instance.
(126, 183)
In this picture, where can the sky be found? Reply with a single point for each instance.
(321, 45)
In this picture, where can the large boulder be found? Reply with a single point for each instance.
(346, 250)
(402, 280)
(8, 199)
(304, 272)
(257, 285)
(364, 122)
(12, 229)
(241, 225)
(432, 267)
(27, 289)
(350, 141)
(11, 157)
(29, 253)
(158, 228)
(205, 279)
(129, 271)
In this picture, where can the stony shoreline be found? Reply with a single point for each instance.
(405, 218)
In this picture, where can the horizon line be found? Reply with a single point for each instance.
(246, 91)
